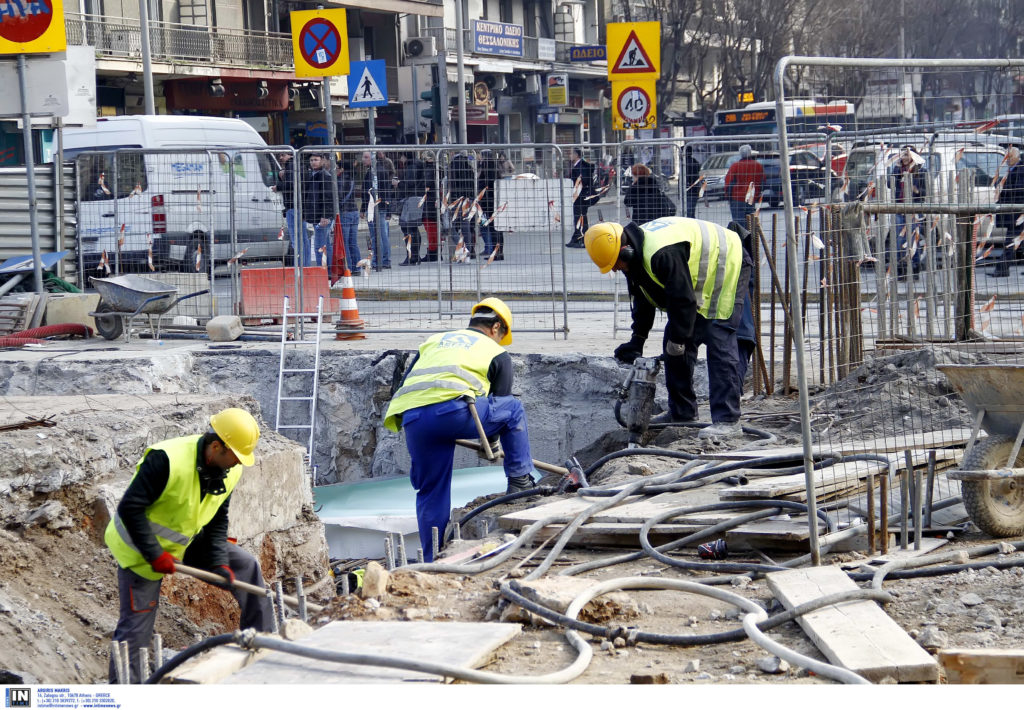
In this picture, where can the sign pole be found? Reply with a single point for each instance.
(30, 172)
(460, 98)
(415, 104)
(332, 139)
(147, 65)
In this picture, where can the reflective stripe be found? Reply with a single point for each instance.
(702, 269)
(166, 533)
(348, 304)
(720, 276)
(472, 378)
(433, 384)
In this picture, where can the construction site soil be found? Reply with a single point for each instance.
(58, 592)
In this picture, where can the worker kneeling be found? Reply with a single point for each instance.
(690, 269)
(432, 407)
(176, 508)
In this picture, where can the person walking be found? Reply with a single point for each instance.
(582, 171)
(317, 212)
(909, 187)
(462, 185)
(692, 270)
(284, 185)
(486, 177)
(692, 184)
(410, 186)
(377, 217)
(432, 406)
(645, 199)
(743, 174)
(176, 509)
(349, 216)
(1011, 193)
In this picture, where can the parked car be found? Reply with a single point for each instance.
(807, 174)
(153, 198)
(713, 171)
(839, 154)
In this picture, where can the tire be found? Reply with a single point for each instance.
(110, 327)
(996, 506)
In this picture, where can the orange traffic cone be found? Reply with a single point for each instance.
(349, 323)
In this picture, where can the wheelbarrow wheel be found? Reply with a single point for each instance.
(995, 506)
(110, 327)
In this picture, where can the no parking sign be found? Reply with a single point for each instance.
(319, 42)
(32, 26)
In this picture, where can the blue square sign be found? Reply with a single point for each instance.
(367, 84)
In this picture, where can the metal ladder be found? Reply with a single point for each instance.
(304, 371)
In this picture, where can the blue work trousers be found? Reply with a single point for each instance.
(430, 434)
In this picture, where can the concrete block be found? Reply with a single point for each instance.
(223, 328)
(272, 493)
(71, 308)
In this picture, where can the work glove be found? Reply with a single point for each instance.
(164, 564)
(225, 572)
(628, 352)
(495, 444)
(674, 349)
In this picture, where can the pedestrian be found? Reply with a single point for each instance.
(349, 215)
(284, 185)
(430, 209)
(583, 173)
(746, 335)
(486, 179)
(432, 407)
(743, 183)
(645, 198)
(462, 186)
(176, 509)
(376, 206)
(410, 186)
(1011, 193)
(659, 261)
(909, 187)
(317, 212)
(692, 170)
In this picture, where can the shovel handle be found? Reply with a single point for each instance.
(218, 580)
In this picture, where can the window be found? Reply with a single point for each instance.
(96, 175)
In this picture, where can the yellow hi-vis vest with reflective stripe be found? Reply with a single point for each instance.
(450, 365)
(178, 514)
(716, 258)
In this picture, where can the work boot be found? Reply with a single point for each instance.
(720, 430)
(520, 483)
(666, 418)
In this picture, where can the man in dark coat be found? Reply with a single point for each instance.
(582, 171)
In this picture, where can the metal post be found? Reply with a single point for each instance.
(402, 560)
(883, 508)
(419, 555)
(279, 600)
(276, 627)
(871, 513)
(345, 591)
(460, 99)
(300, 595)
(905, 502)
(456, 531)
(332, 139)
(125, 655)
(442, 90)
(416, 104)
(158, 650)
(115, 658)
(389, 553)
(30, 173)
(929, 488)
(143, 664)
(147, 66)
(434, 542)
(917, 510)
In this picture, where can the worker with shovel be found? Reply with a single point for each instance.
(692, 270)
(456, 379)
(176, 509)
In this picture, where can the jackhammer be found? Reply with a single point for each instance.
(635, 402)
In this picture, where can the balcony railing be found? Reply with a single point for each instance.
(445, 37)
(181, 44)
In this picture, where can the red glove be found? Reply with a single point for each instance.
(164, 564)
(225, 571)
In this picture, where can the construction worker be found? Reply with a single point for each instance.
(690, 269)
(432, 405)
(176, 508)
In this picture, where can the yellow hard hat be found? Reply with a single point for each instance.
(239, 431)
(603, 242)
(499, 307)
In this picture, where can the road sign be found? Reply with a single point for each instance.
(634, 103)
(32, 26)
(367, 84)
(634, 50)
(587, 53)
(320, 42)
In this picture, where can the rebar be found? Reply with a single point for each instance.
(279, 601)
(419, 555)
(883, 510)
(143, 663)
(905, 500)
(434, 542)
(158, 650)
(126, 663)
(401, 559)
(300, 594)
(345, 591)
(917, 510)
(929, 489)
(115, 658)
(871, 513)
(389, 553)
(276, 627)
(457, 531)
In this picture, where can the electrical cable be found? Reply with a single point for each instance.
(507, 498)
(190, 652)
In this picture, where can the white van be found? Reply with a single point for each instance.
(174, 201)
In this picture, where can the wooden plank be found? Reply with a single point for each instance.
(928, 546)
(977, 666)
(459, 643)
(856, 635)
(922, 440)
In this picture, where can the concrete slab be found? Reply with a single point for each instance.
(464, 644)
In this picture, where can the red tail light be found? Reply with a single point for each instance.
(159, 214)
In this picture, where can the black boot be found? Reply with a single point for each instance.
(520, 483)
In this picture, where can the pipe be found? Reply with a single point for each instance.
(49, 331)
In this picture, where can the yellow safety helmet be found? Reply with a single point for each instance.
(239, 431)
(604, 242)
(499, 307)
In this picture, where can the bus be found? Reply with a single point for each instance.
(802, 116)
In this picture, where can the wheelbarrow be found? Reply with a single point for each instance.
(124, 297)
(991, 474)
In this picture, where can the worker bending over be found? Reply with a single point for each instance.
(176, 508)
(431, 405)
(690, 269)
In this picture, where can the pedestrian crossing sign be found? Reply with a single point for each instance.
(367, 84)
(634, 104)
(634, 50)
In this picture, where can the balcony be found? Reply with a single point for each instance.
(121, 38)
(445, 37)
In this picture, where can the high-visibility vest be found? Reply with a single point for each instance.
(714, 277)
(178, 514)
(450, 365)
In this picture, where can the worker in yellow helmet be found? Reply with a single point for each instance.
(690, 269)
(176, 509)
(431, 406)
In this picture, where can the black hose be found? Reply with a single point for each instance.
(938, 571)
(510, 591)
(191, 651)
(508, 497)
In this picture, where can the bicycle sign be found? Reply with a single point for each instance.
(634, 103)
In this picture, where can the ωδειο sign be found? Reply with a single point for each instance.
(587, 53)
(497, 38)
